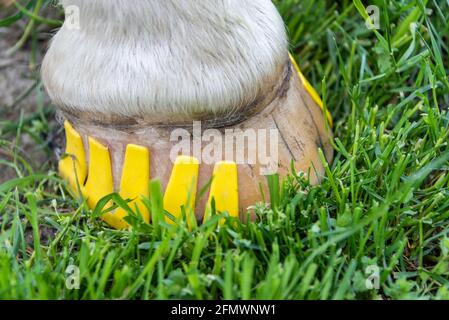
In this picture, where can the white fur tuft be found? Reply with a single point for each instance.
(166, 57)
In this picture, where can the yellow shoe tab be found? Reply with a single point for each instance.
(181, 188)
(311, 90)
(100, 182)
(73, 167)
(135, 180)
(224, 189)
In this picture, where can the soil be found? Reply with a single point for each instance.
(21, 93)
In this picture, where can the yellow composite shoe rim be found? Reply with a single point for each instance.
(224, 193)
(180, 194)
(134, 181)
(311, 90)
(95, 181)
(72, 167)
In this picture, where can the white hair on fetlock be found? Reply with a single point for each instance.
(165, 57)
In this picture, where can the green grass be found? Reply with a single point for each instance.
(384, 202)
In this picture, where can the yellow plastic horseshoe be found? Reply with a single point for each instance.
(72, 167)
(181, 188)
(224, 190)
(311, 90)
(135, 180)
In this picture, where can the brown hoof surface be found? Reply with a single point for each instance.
(291, 128)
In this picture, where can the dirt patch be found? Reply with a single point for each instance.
(21, 93)
(19, 70)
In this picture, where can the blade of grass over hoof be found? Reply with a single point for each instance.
(157, 204)
(274, 189)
